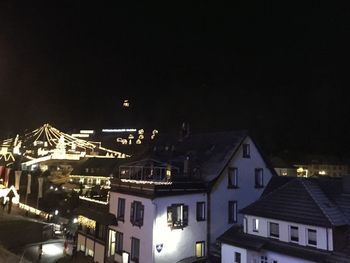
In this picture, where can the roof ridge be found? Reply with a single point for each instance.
(314, 198)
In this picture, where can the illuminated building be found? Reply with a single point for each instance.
(93, 220)
(174, 201)
(296, 220)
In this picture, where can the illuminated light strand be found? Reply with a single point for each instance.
(119, 130)
(145, 182)
(93, 200)
(87, 222)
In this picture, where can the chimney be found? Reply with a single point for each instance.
(346, 183)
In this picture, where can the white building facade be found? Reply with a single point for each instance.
(157, 229)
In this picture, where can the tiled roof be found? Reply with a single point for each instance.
(299, 200)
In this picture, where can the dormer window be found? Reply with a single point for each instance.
(311, 237)
(274, 230)
(294, 234)
(255, 225)
(246, 150)
(177, 216)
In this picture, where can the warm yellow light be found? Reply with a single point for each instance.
(126, 103)
(87, 222)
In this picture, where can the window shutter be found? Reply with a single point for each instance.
(142, 209)
(132, 208)
(170, 216)
(185, 215)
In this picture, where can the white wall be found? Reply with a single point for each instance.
(144, 233)
(244, 195)
(321, 233)
(250, 256)
(178, 243)
(228, 253)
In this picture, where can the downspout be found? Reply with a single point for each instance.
(327, 239)
(209, 220)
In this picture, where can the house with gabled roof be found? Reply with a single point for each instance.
(296, 220)
(173, 202)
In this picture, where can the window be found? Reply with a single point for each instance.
(136, 213)
(311, 237)
(246, 150)
(259, 178)
(263, 259)
(232, 177)
(294, 234)
(237, 257)
(119, 243)
(111, 243)
(121, 209)
(255, 225)
(100, 231)
(200, 211)
(274, 230)
(200, 249)
(232, 212)
(135, 249)
(177, 215)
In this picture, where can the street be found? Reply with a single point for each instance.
(52, 251)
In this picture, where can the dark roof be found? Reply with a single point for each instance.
(298, 200)
(209, 152)
(101, 166)
(236, 237)
(97, 212)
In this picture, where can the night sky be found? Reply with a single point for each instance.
(278, 70)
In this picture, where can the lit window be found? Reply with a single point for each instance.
(200, 211)
(232, 212)
(136, 213)
(200, 249)
(232, 177)
(237, 257)
(274, 230)
(246, 150)
(119, 243)
(255, 225)
(259, 178)
(111, 242)
(294, 234)
(311, 237)
(121, 209)
(135, 249)
(177, 216)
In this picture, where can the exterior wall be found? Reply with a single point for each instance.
(322, 234)
(99, 253)
(245, 194)
(143, 233)
(178, 243)
(228, 254)
(250, 256)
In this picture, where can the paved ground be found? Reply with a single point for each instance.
(78, 258)
(52, 251)
(22, 235)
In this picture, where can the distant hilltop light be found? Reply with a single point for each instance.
(126, 104)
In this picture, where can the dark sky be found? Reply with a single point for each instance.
(279, 70)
